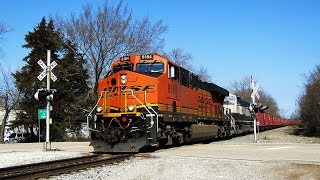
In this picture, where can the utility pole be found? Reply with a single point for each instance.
(48, 143)
(254, 94)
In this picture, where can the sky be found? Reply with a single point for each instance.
(276, 41)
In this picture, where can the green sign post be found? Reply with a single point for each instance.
(42, 114)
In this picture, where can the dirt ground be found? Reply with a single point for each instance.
(299, 171)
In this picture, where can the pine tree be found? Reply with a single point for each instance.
(71, 81)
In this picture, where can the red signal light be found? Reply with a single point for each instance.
(124, 119)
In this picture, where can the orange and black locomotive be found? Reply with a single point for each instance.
(147, 100)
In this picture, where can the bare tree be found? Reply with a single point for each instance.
(309, 103)
(108, 33)
(282, 112)
(3, 29)
(184, 59)
(180, 57)
(267, 99)
(203, 74)
(242, 89)
(295, 115)
(8, 98)
(6, 91)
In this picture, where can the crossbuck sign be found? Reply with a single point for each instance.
(254, 87)
(44, 72)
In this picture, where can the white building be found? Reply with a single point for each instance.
(12, 117)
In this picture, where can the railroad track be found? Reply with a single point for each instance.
(57, 167)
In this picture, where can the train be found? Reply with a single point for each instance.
(146, 100)
(241, 118)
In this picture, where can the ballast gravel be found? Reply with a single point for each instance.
(180, 168)
(19, 158)
(163, 165)
(280, 135)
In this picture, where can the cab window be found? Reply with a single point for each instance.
(122, 67)
(150, 67)
(173, 72)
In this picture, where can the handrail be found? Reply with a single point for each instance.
(132, 93)
(152, 122)
(145, 100)
(89, 115)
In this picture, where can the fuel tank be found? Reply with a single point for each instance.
(203, 132)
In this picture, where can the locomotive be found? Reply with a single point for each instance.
(149, 101)
(237, 110)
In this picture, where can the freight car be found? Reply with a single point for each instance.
(268, 121)
(147, 100)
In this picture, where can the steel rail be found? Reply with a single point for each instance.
(57, 167)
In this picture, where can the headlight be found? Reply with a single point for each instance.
(123, 78)
(99, 109)
(131, 108)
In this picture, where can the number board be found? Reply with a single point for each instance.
(146, 57)
(125, 59)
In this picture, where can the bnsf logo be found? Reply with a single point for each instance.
(134, 88)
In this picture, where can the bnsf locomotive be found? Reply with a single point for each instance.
(147, 100)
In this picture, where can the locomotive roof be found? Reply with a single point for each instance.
(243, 102)
(134, 58)
(214, 88)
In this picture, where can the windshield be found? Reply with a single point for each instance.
(122, 67)
(150, 67)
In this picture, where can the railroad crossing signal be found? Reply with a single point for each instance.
(254, 87)
(41, 93)
(253, 106)
(44, 72)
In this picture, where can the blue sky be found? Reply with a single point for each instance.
(275, 40)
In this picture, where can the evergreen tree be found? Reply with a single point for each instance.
(71, 110)
(71, 81)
